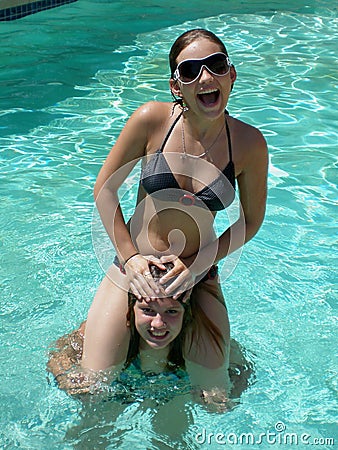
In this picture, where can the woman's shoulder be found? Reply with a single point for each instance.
(246, 131)
(249, 146)
(154, 112)
(248, 139)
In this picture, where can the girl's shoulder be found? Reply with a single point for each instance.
(248, 139)
(154, 113)
(246, 131)
(249, 146)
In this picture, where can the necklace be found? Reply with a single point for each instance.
(185, 154)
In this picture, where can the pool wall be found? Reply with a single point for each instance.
(15, 9)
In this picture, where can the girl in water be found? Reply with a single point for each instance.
(194, 155)
(161, 331)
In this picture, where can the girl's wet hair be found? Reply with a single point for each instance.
(157, 274)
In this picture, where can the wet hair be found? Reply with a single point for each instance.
(186, 39)
(194, 319)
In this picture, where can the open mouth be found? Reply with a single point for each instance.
(159, 335)
(209, 98)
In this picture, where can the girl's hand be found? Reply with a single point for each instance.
(142, 284)
(216, 400)
(180, 277)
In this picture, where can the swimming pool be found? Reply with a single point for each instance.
(65, 92)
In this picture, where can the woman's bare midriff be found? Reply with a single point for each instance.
(172, 228)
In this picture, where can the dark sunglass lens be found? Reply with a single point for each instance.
(218, 64)
(189, 70)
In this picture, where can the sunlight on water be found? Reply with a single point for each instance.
(282, 297)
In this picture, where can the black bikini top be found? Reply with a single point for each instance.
(219, 194)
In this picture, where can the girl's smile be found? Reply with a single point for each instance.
(158, 322)
(208, 93)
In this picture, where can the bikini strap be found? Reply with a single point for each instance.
(229, 138)
(170, 131)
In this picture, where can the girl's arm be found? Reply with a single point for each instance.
(210, 387)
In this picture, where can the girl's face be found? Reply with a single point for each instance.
(209, 93)
(158, 322)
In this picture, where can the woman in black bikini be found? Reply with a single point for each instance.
(192, 154)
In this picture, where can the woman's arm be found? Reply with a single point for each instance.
(252, 184)
(130, 146)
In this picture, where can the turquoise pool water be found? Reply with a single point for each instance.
(66, 90)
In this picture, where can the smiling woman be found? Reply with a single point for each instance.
(157, 333)
(158, 323)
(194, 155)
